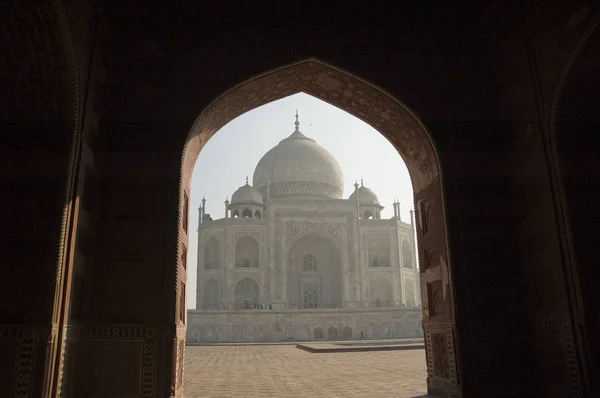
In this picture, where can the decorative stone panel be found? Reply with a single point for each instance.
(294, 228)
(129, 349)
(556, 332)
(441, 358)
(18, 345)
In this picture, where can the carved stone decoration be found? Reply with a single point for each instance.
(439, 350)
(19, 343)
(439, 304)
(427, 207)
(556, 332)
(180, 362)
(314, 188)
(294, 228)
(441, 357)
(147, 338)
(241, 233)
(430, 259)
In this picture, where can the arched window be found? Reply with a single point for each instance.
(310, 298)
(235, 214)
(246, 213)
(257, 214)
(368, 215)
(309, 263)
(376, 262)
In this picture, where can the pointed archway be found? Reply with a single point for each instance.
(409, 136)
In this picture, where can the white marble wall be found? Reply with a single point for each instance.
(286, 222)
(298, 325)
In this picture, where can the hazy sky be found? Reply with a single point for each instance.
(233, 153)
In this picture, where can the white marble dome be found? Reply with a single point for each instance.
(246, 194)
(298, 166)
(365, 196)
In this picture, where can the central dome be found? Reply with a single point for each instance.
(297, 166)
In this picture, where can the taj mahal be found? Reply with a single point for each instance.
(293, 260)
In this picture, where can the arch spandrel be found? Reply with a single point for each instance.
(389, 116)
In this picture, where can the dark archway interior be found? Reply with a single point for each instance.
(105, 107)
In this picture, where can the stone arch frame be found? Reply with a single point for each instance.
(257, 214)
(246, 280)
(395, 121)
(584, 339)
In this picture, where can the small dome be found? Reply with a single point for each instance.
(246, 194)
(365, 196)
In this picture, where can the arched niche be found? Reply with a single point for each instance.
(347, 332)
(246, 213)
(326, 278)
(407, 254)
(409, 292)
(246, 295)
(246, 252)
(318, 333)
(381, 292)
(395, 121)
(212, 253)
(211, 299)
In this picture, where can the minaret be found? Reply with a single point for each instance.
(199, 217)
(398, 211)
(203, 209)
(297, 123)
(412, 217)
(226, 207)
(395, 210)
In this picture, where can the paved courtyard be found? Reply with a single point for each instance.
(285, 371)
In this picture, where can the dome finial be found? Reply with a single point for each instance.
(297, 123)
(361, 182)
(246, 180)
